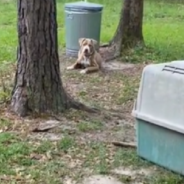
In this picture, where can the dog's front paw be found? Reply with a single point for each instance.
(70, 68)
(83, 71)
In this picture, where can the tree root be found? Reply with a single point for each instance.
(81, 106)
(124, 144)
(110, 52)
(104, 45)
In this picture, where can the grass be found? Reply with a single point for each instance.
(66, 143)
(163, 29)
(85, 126)
(23, 160)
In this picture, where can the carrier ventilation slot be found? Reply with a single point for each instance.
(173, 69)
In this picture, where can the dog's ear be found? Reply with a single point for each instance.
(81, 40)
(94, 42)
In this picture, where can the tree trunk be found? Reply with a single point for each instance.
(135, 24)
(38, 86)
(129, 30)
(123, 26)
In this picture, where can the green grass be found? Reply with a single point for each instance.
(163, 29)
(66, 143)
(8, 27)
(85, 126)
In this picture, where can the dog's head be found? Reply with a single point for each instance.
(88, 46)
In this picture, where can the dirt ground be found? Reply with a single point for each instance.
(88, 152)
(113, 91)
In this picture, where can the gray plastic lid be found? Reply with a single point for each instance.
(83, 6)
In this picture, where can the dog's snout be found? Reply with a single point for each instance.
(86, 50)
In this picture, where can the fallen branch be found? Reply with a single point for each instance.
(124, 144)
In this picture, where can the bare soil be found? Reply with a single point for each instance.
(112, 90)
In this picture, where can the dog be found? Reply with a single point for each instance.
(89, 60)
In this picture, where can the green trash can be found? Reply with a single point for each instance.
(82, 20)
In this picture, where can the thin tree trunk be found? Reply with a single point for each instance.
(38, 86)
(129, 30)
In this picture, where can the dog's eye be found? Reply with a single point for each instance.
(90, 45)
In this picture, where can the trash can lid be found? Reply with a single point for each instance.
(83, 6)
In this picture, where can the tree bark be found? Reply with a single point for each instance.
(123, 26)
(136, 22)
(38, 86)
(129, 30)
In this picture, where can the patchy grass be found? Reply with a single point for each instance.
(85, 145)
(66, 143)
(129, 92)
(86, 126)
(24, 161)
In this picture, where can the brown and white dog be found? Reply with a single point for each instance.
(89, 60)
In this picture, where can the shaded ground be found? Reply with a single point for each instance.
(76, 147)
(113, 91)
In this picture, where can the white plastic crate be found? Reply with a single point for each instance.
(159, 115)
(161, 95)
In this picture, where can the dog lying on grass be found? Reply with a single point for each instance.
(89, 60)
